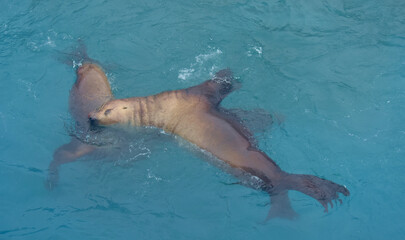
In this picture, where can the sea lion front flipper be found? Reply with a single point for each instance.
(256, 120)
(218, 87)
(225, 83)
(66, 153)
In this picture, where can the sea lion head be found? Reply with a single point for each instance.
(112, 112)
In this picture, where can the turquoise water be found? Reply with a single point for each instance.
(332, 71)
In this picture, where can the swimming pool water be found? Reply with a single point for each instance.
(332, 71)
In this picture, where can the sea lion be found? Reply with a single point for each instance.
(90, 91)
(195, 115)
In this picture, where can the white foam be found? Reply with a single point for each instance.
(185, 73)
(199, 65)
(37, 46)
(78, 64)
(153, 176)
(255, 50)
(259, 50)
(50, 42)
(204, 57)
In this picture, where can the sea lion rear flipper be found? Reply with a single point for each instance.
(281, 207)
(217, 88)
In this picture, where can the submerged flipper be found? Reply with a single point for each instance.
(217, 88)
(281, 206)
(69, 152)
(76, 56)
(224, 83)
(256, 120)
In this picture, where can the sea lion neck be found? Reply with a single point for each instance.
(164, 110)
(145, 111)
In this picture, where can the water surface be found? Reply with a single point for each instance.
(333, 71)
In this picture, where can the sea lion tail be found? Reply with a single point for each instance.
(281, 206)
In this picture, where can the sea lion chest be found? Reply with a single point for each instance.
(196, 120)
(179, 111)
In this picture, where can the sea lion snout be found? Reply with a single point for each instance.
(95, 125)
(93, 121)
(104, 116)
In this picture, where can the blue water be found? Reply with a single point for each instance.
(333, 71)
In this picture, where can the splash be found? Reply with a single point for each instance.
(203, 63)
(205, 57)
(76, 64)
(185, 73)
(151, 175)
(42, 40)
(255, 51)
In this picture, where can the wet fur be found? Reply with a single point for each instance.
(194, 114)
(90, 91)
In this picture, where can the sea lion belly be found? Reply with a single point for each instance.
(216, 136)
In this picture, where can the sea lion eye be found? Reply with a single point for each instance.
(124, 108)
(108, 111)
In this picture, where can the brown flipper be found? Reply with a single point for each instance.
(76, 56)
(66, 153)
(324, 191)
(256, 120)
(217, 88)
(236, 123)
